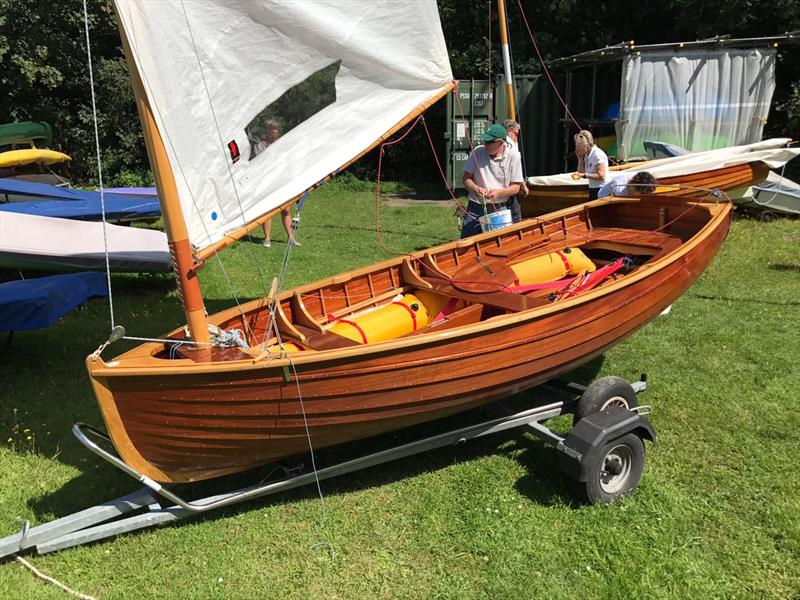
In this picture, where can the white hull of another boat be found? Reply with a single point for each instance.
(777, 194)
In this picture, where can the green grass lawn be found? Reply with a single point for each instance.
(716, 514)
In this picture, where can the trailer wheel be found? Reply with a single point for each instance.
(767, 216)
(616, 471)
(605, 392)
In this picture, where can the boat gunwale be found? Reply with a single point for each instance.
(144, 362)
(678, 185)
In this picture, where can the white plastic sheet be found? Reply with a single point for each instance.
(696, 99)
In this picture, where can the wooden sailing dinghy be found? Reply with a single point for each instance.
(409, 340)
(202, 414)
(730, 170)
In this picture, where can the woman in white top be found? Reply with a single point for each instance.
(592, 162)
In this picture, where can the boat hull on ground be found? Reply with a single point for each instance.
(195, 418)
(544, 199)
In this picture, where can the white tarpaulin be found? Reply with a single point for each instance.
(696, 99)
(773, 153)
(49, 244)
(258, 100)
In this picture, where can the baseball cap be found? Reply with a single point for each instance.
(495, 132)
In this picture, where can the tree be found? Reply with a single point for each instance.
(44, 73)
(43, 67)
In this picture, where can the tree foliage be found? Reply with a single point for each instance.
(44, 74)
(43, 67)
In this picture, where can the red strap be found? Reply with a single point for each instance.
(564, 259)
(354, 324)
(410, 311)
(592, 279)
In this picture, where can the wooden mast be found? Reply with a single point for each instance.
(174, 225)
(501, 13)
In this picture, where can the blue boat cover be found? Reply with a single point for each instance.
(38, 303)
(83, 205)
(134, 191)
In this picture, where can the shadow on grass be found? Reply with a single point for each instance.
(543, 483)
(760, 300)
(784, 267)
(331, 226)
(281, 243)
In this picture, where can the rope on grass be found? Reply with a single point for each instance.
(52, 581)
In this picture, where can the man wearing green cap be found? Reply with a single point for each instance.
(492, 177)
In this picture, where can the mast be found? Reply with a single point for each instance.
(501, 13)
(174, 225)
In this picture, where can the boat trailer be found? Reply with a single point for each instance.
(604, 453)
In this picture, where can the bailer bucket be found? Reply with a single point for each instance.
(495, 220)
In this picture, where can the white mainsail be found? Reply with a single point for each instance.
(258, 100)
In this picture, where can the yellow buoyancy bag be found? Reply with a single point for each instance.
(553, 266)
(394, 320)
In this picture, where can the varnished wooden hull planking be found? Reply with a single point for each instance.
(185, 420)
(542, 200)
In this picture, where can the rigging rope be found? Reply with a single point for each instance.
(99, 163)
(768, 203)
(49, 579)
(323, 506)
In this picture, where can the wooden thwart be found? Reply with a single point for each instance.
(503, 300)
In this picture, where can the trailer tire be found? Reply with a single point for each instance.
(767, 216)
(605, 392)
(615, 471)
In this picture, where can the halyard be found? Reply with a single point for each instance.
(714, 516)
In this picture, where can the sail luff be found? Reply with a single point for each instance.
(233, 236)
(174, 224)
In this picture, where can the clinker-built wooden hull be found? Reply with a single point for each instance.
(544, 199)
(209, 413)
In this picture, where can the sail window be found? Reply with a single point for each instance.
(295, 105)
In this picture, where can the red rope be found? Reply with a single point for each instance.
(443, 176)
(544, 67)
(378, 230)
